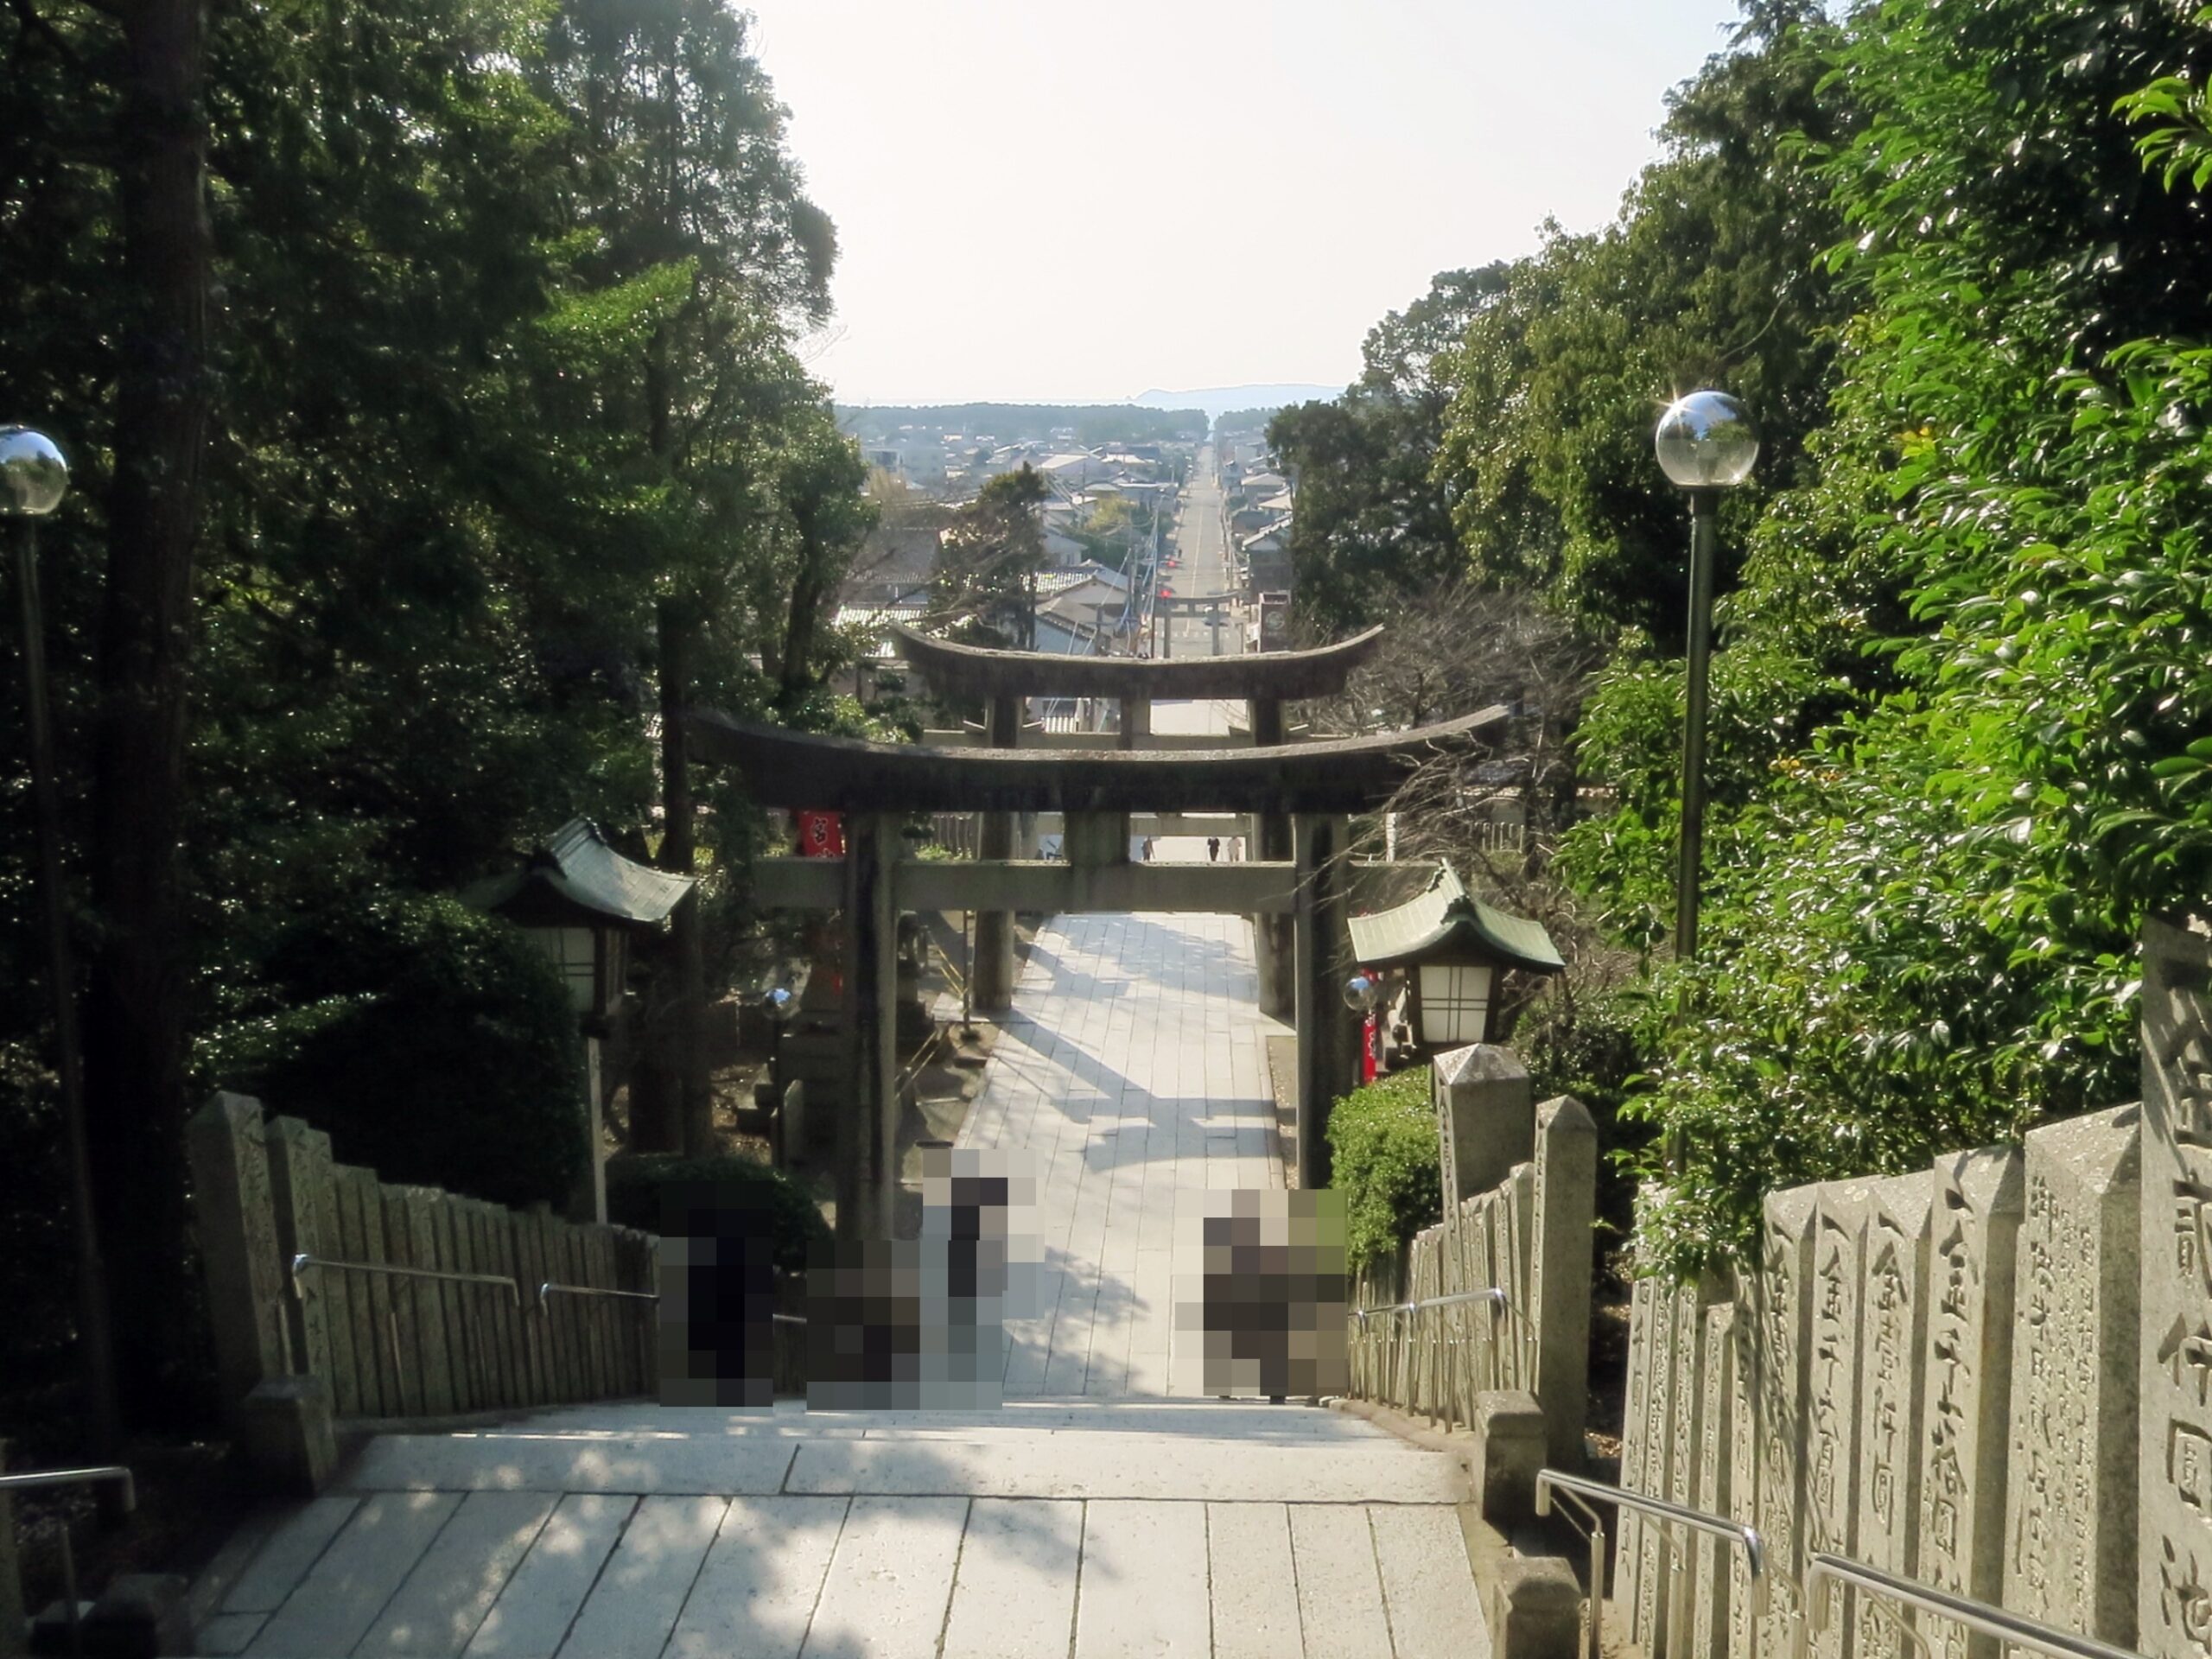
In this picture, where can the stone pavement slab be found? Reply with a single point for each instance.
(890, 1581)
(1144, 1582)
(350, 1582)
(1015, 1594)
(453, 1586)
(1253, 1582)
(756, 1591)
(531, 1617)
(1339, 1592)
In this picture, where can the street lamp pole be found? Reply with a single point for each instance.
(33, 479)
(1706, 444)
(1703, 538)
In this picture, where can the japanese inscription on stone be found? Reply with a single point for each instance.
(1831, 1393)
(1979, 1199)
(2071, 1498)
(1894, 1332)
(2174, 1573)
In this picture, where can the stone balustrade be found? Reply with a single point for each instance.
(1520, 1185)
(377, 1345)
(1993, 1376)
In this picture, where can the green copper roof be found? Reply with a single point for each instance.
(578, 865)
(1443, 920)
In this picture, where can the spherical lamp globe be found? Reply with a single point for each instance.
(1707, 441)
(33, 475)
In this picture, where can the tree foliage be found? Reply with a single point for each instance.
(1963, 679)
(1384, 1159)
(505, 309)
(1961, 699)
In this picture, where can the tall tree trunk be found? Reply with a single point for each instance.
(685, 1051)
(801, 624)
(135, 1012)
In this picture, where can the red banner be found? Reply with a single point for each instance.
(821, 835)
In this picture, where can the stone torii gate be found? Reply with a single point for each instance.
(1262, 681)
(1313, 787)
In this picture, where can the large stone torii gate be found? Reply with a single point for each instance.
(1313, 787)
(1262, 681)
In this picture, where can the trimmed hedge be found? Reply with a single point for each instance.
(1385, 1154)
(772, 1204)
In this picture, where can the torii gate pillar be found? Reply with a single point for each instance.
(867, 1167)
(1270, 841)
(1328, 1062)
(991, 977)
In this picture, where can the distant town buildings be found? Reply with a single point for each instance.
(1102, 520)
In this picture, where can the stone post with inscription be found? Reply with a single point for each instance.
(1485, 1118)
(235, 1218)
(1780, 1352)
(1980, 1198)
(2174, 1573)
(1558, 1272)
(1628, 1544)
(2071, 1498)
(1838, 1336)
(1893, 1321)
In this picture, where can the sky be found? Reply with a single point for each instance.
(1043, 201)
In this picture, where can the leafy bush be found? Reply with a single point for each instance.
(1383, 1148)
(775, 1206)
(436, 1046)
(1586, 1045)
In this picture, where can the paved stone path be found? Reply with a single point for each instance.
(1129, 1078)
(1091, 1517)
(1082, 1526)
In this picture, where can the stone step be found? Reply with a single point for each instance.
(601, 1574)
(977, 1458)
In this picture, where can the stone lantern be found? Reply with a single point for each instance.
(579, 901)
(1450, 948)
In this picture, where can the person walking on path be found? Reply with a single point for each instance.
(1213, 849)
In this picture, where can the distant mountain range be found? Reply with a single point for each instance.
(1218, 400)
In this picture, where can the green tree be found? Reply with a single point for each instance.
(1373, 524)
(992, 554)
(1708, 277)
(1924, 917)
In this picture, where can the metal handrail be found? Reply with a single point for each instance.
(1745, 1538)
(1489, 1293)
(303, 1261)
(86, 1477)
(75, 1478)
(549, 1289)
(1974, 1615)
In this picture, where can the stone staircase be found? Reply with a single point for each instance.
(1049, 1527)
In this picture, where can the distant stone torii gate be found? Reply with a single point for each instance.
(1314, 787)
(1262, 681)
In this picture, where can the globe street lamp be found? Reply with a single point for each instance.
(34, 476)
(1706, 443)
(1363, 994)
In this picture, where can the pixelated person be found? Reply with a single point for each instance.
(718, 1294)
(1247, 1302)
(909, 1325)
(1272, 1296)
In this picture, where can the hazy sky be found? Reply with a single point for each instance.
(1046, 201)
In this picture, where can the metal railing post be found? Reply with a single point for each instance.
(48, 1477)
(1745, 1538)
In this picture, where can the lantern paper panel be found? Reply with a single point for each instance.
(1454, 1004)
